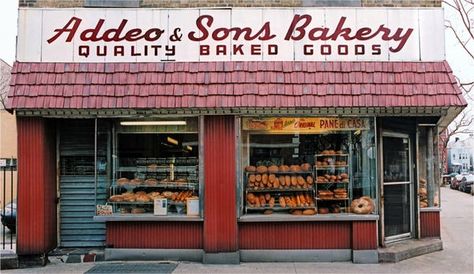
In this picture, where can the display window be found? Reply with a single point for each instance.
(308, 166)
(428, 188)
(156, 168)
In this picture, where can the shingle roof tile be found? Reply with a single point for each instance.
(232, 84)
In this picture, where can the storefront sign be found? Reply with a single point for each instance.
(237, 34)
(304, 125)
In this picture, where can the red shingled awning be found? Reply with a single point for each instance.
(233, 85)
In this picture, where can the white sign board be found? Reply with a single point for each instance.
(233, 34)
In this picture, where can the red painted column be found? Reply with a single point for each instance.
(430, 225)
(36, 202)
(220, 220)
(364, 235)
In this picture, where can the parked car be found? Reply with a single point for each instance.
(456, 181)
(448, 178)
(466, 183)
(8, 216)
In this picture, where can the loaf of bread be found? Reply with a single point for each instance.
(262, 169)
(250, 168)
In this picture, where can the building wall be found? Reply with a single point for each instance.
(228, 3)
(8, 147)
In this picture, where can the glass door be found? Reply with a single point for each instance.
(397, 187)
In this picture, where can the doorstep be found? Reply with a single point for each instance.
(8, 259)
(408, 249)
(76, 255)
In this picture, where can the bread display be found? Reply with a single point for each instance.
(250, 168)
(363, 205)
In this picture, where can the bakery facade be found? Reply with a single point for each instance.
(230, 134)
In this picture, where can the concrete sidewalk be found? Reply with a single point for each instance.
(457, 256)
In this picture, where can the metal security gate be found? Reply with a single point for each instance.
(81, 187)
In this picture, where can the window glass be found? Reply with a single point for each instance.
(306, 165)
(428, 189)
(156, 169)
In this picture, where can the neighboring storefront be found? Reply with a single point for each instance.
(228, 135)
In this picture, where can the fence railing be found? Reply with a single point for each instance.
(8, 179)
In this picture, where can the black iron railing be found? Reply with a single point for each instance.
(8, 169)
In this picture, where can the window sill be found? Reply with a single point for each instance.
(276, 217)
(146, 218)
(430, 209)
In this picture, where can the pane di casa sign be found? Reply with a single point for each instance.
(155, 35)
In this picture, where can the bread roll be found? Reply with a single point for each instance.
(309, 212)
(271, 202)
(287, 180)
(300, 180)
(123, 181)
(282, 202)
(305, 167)
(262, 169)
(323, 210)
(297, 212)
(151, 182)
(309, 180)
(268, 212)
(276, 183)
(138, 210)
(283, 168)
(265, 179)
(258, 178)
(250, 168)
(294, 181)
(252, 178)
(295, 168)
(262, 200)
(272, 169)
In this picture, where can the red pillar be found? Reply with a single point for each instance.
(220, 220)
(36, 202)
(430, 225)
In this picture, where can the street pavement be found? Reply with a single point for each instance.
(456, 257)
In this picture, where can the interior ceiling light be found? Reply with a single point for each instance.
(172, 141)
(153, 123)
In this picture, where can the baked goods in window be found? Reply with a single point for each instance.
(123, 181)
(250, 168)
(272, 169)
(151, 182)
(152, 167)
(295, 168)
(143, 198)
(300, 180)
(325, 194)
(309, 212)
(268, 212)
(262, 169)
(363, 205)
(294, 181)
(323, 210)
(282, 202)
(297, 212)
(335, 208)
(305, 167)
(116, 198)
(136, 181)
(138, 210)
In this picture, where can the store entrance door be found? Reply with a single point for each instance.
(397, 187)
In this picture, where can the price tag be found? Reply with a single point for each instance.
(3, 162)
(104, 210)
